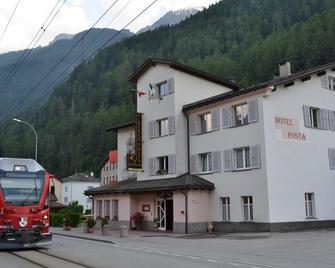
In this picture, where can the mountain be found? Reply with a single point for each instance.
(172, 18)
(242, 40)
(61, 37)
(14, 97)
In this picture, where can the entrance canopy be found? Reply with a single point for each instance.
(183, 182)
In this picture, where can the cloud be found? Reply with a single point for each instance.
(76, 16)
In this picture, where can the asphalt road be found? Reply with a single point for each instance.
(305, 249)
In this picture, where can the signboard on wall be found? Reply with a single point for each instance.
(289, 129)
(134, 160)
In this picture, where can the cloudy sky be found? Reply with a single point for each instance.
(76, 16)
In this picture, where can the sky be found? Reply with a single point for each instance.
(76, 16)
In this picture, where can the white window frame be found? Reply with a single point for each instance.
(244, 114)
(225, 208)
(246, 163)
(165, 169)
(247, 208)
(163, 89)
(65, 189)
(65, 199)
(310, 205)
(205, 123)
(205, 160)
(318, 117)
(331, 83)
(163, 127)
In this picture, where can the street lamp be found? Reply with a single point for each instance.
(24, 122)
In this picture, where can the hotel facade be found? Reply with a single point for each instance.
(203, 150)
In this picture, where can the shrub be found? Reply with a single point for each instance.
(104, 221)
(90, 222)
(73, 207)
(88, 212)
(56, 220)
(138, 217)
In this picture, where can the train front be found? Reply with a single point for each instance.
(24, 204)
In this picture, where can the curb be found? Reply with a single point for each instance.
(86, 238)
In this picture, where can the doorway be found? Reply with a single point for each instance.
(165, 212)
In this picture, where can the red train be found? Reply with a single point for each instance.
(24, 204)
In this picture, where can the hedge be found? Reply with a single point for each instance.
(56, 220)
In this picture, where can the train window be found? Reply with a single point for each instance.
(20, 168)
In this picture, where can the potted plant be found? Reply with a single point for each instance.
(67, 222)
(138, 218)
(155, 224)
(90, 225)
(105, 228)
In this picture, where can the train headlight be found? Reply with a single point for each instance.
(45, 217)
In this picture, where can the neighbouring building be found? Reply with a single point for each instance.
(73, 188)
(205, 150)
(56, 195)
(109, 168)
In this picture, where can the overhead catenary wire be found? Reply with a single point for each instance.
(91, 55)
(29, 48)
(9, 21)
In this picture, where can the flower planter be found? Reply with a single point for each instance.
(90, 230)
(106, 230)
(67, 227)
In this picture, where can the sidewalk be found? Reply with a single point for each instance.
(115, 235)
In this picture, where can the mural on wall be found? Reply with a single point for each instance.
(134, 159)
(289, 129)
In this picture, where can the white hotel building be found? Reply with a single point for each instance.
(256, 159)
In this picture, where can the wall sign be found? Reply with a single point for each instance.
(289, 129)
(134, 160)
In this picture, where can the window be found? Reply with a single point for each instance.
(115, 210)
(242, 158)
(65, 189)
(65, 200)
(225, 203)
(205, 123)
(309, 205)
(163, 89)
(247, 207)
(241, 114)
(163, 127)
(89, 187)
(331, 83)
(163, 165)
(206, 162)
(99, 208)
(107, 208)
(315, 117)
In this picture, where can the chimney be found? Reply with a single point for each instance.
(285, 69)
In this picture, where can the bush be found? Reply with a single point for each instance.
(74, 219)
(56, 220)
(88, 212)
(73, 207)
(104, 221)
(90, 222)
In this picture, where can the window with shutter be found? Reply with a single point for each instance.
(255, 156)
(324, 81)
(226, 117)
(152, 129)
(215, 117)
(331, 155)
(253, 111)
(152, 166)
(206, 163)
(170, 83)
(216, 159)
(172, 163)
(331, 116)
(194, 164)
(171, 122)
(193, 124)
(205, 123)
(307, 116)
(324, 119)
(227, 160)
(242, 158)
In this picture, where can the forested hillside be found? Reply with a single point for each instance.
(242, 40)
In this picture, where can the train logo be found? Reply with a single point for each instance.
(23, 222)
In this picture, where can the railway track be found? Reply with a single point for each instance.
(43, 259)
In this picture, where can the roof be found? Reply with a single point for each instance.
(286, 81)
(183, 182)
(55, 204)
(81, 177)
(183, 68)
(121, 125)
(8, 164)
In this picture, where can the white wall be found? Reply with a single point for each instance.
(295, 167)
(75, 192)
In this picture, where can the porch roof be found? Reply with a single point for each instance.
(182, 182)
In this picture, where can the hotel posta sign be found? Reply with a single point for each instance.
(134, 160)
(289, 129)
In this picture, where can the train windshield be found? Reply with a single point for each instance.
(22, 191)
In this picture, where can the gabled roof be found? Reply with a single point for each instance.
(183, 68)
(81, 177)
(285, 81)
(183, 182)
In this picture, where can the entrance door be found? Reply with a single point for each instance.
(169, 214)
(161, 214)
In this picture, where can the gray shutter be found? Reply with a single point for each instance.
(331, 154)
(171, 125)
(307, 116)
(227, 160)
(255, 156)
(152, 129)
(324, 119)
(152, 166)
(216, 161)
(170, 83)
(193, 124)
(331, 116)
(253, 111)
(324, 81)
(226, 117)
(156, 95)
(215, 118)
(172, 163)
(194, 164)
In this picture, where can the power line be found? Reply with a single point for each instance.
(92, 54)
(29, 49)
(10, 19)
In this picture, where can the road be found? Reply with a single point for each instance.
(304, 249)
